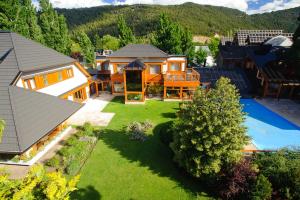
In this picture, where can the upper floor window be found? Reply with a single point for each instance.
(70, 73)
(175, 66)
(120, 68)
(30, 83)
(60, 76)
(154, 69)
(105, 66)
(45, 80)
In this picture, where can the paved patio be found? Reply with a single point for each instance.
(287, 108)
(91, 112)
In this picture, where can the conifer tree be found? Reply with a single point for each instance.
(65, 39)
(12, 17)
(209, 132)
(126, 35)
(35, 32)
(86, 45)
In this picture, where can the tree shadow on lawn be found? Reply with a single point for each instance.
(88, 192)
(155, 155)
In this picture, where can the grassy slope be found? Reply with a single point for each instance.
(123, 169)
(200, 19)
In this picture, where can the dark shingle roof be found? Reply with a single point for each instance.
(28, 115)
(136, 65)
(33, 56)
(139, 51)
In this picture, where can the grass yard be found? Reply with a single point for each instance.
(123, 169)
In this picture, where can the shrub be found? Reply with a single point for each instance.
(283, 171)
(209, 132)
(165, 133)
(88, 129)
(137, 130)
(54, 162)
(237, 180)
(262, 189)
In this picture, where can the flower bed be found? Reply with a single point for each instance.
(71, 157)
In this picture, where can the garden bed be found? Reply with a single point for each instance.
(72, 156)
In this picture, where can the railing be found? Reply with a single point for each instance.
(189, 75)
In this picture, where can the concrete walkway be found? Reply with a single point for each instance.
(285, 107)
(91, 112)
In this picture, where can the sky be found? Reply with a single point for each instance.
(248, 6)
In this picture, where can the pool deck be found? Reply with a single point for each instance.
(287, 108)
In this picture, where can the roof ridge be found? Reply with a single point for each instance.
(13, 115)
(13, 44)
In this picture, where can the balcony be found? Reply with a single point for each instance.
(189, 78)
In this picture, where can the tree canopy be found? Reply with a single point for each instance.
(209, 132)
(86, 46)
(38, 184)
(107, 42)
(126, 35)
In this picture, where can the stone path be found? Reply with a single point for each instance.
(91, 112)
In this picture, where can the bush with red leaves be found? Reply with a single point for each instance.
(237, 180)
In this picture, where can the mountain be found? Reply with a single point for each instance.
(200, 19)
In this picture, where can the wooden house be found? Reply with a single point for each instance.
(39, 90)
(138, 71)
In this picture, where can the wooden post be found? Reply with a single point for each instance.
(180, 92)
(97, 89)
(125, 86)
(165, 92)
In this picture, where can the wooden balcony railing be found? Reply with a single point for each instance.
(189, 75)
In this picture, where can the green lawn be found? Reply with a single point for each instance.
(123, 169)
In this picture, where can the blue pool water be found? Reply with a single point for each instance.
(268, 130)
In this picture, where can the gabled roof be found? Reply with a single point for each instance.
(139, 51)
(135, 65)
(31, 55)
(28, 115)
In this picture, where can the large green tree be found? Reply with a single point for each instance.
(126, 35)
(54, 28)
(13, 17)
(213, 46)
(107, 42)
(201, 56)
(209, 132)
(168, 36)
(2, 126)
(31, 19)
(86, 45)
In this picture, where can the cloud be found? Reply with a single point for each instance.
(276, 5)
(77, 3)
(237, 4)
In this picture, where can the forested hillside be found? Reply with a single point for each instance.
(200, 19)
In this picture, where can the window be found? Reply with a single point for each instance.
(59, 76)
(154, 69)
(70, 73)
(30, 83)
(45, 80)
(175, 66)
(120, 68)
(105, 66)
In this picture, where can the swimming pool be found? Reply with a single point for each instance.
(268, 130)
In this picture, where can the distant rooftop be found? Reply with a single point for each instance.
(139, 51)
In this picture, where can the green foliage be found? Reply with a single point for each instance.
(262, 189)
(54, 162)
(86, 46)
(155, 89)
(282, 169)
(168, 36)
(137, 130)
(209, 132)
(126, 35)
(2, 126)
(200, 56)
(37, 184)
(165, 133)
(213, 46)
(54, 28)
(107, 42)
(199, 19)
